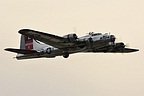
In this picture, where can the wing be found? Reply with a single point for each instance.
(116, 50)
(53, 40)
(125, 50)
(21, 51)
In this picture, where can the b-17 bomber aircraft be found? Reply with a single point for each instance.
(35, 44)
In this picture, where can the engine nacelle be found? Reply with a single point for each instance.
(120, 45)
(71, 37)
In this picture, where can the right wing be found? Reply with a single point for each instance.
(50, 39)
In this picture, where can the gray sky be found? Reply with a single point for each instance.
(80, 74)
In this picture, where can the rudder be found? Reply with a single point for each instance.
(26, 43)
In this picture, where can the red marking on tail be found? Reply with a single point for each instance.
(28, 43)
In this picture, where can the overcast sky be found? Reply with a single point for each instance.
(81, 74)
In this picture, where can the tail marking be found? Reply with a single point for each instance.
(28, 43)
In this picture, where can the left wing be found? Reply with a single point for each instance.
(125, 50)
(116, 50)
(53, 40)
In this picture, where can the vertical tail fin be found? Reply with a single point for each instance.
(26, 43)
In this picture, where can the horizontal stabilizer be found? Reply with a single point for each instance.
(21, 51)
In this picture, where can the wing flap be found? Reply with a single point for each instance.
(21, 51)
